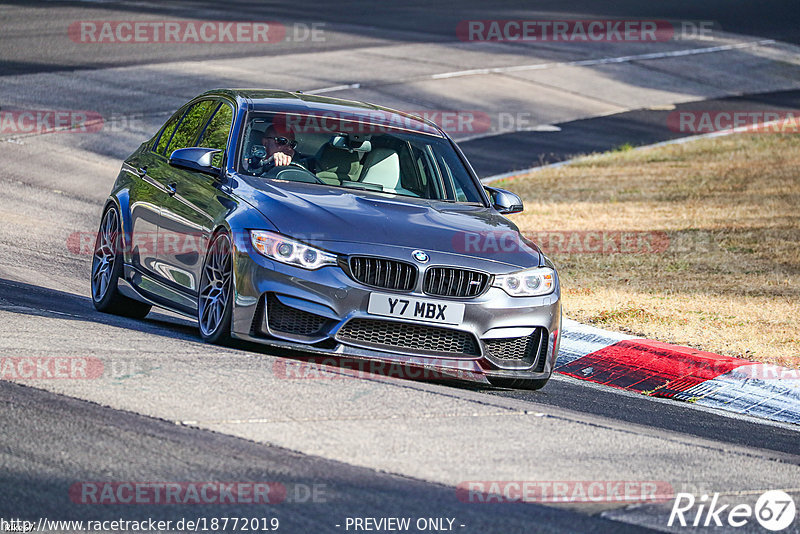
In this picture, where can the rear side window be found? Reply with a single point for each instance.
(189, 127)
(217, 132)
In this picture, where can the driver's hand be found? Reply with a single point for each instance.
(280, 159)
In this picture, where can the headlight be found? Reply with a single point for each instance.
(528, 283)
(279, 248)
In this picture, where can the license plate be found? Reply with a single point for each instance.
(435, 311)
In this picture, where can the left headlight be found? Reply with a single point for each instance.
(279, 248)
(528, 283)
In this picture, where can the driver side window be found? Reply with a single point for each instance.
(217, 132)
(189, 127)
(166, 133)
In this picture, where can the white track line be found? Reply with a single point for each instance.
(578, 63)
(603, 61)
(333, 88)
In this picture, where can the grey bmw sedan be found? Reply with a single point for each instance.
(335, 227)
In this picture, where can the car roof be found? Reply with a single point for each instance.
(273, 100)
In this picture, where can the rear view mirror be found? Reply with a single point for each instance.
(504, 201)
(351, 142)
(195, 159)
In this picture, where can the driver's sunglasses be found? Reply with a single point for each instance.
(281, 141)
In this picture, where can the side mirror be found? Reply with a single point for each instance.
(195, 159)
(504, 201)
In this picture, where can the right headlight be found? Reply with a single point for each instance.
(285, 250)
(528, 283)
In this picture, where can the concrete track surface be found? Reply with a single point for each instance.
(170, 408)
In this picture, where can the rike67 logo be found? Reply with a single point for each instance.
(774, 510)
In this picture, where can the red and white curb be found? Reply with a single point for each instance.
(670, 371)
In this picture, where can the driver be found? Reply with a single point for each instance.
(279, 147)
(280, 150)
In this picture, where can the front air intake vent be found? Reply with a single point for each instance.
(518, 351)
(285, 319)
(409, 338)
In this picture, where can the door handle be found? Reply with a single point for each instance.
(142, 170)
(172, 188)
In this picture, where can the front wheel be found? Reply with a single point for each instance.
(107, 268)
(215, 305)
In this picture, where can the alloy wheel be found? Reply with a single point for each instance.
(215, 286)
(105, 254)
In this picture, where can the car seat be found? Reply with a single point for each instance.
(335, 165)
(382, 167)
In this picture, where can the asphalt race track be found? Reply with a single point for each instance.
(507, 152)
(168, 407)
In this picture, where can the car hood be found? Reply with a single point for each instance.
(319, 214)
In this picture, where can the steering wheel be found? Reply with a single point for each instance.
(296, 164)
(271, 163)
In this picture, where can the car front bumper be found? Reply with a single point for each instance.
(316, 312)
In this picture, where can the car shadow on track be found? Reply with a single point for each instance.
(29, 299)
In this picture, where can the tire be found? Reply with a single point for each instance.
(520, 383)
(214, 302)
(107, 269)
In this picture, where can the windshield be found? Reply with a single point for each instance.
(373, 156)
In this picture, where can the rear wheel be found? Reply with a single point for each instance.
(107, 268)
(214, 305)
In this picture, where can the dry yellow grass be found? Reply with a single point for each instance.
(729, 279)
